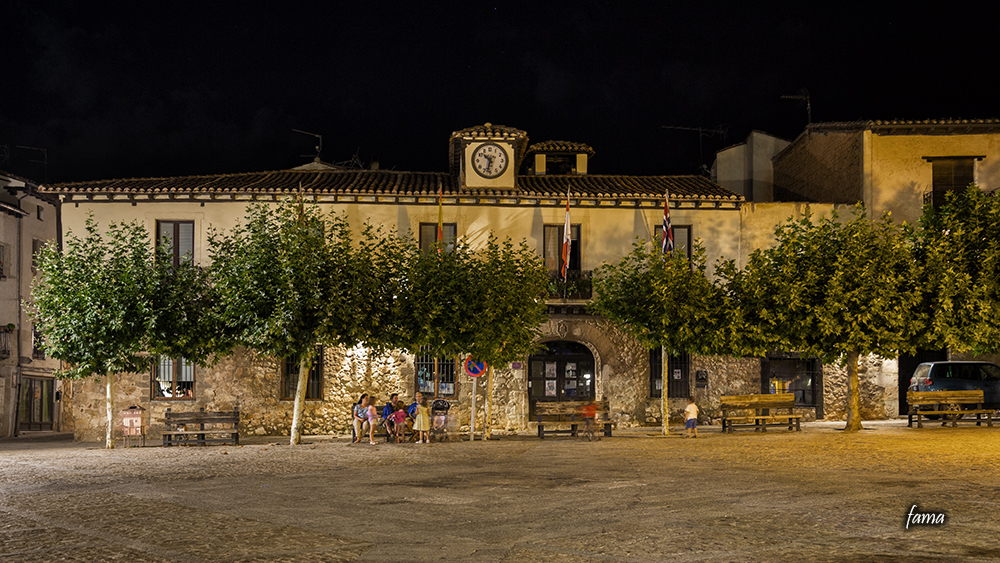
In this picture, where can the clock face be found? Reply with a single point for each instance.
(489, 160)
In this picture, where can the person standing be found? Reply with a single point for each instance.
(372, 423)
(691, 418)
(422, 420)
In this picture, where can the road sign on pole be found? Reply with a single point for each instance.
(474, 368)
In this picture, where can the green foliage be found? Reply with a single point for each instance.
(511, 289)
(665, 300)
(960, 254)
(281, 279)
(830, 287)
(94, 302)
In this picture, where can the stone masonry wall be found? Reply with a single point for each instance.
(877, 378)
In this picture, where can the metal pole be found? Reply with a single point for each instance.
(472, 426)
(663, 393)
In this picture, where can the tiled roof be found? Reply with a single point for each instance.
(490, 130)
(560, 146)
(907, 127)
(390, 182)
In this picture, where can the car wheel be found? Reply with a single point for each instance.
(953, 406)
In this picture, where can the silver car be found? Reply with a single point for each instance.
(959, 376)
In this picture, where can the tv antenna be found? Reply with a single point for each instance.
(720, 131)
(44, 161)
(319, 146)
(803, 96)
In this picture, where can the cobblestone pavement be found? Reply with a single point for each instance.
(816, 495)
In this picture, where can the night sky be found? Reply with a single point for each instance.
(139, 89)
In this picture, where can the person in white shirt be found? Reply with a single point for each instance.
(691, 418)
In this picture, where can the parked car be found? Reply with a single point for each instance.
(959, 376)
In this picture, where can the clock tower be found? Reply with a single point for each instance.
(487, 156)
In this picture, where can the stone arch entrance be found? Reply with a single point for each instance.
(562, 370)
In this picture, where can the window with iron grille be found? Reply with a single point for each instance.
(435, 375)
(173, 379)
(677, 371)
(950, 174)
(290, 377)
(37, 343)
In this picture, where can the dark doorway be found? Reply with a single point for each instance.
(907, 365)
(37, 404)
(789, 372)
(560, 371)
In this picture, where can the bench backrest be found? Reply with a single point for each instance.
(769, 401)
(202, 417)
(936, 397)
(567, 407)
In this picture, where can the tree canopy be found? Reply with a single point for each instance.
(110, 304)
(960, 256)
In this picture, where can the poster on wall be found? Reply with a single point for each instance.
(550, 388)
(570, 369)
(550, 370)
(677, 374)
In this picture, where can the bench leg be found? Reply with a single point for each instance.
(541, 432)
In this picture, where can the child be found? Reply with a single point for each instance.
(589, 412)
(422, 421)
(399, 421)
(691, 418)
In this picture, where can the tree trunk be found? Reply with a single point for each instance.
(853, 393)
(487, 426)
(109, 403)
(300, 396)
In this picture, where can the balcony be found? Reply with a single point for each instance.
(5, 333)
(576, 286)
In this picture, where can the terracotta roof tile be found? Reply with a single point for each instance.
(391, 182)
(560, 146)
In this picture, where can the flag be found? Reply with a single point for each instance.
(667, 244)
(567, 240)
(440, 237)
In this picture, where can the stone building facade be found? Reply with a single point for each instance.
(498, 184)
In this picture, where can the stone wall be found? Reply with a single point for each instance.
(878, 379)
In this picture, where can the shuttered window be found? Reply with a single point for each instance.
(179, 238)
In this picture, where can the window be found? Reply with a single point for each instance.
(173, 379)
(682, 238)
(949, 174)
(552, 247)
(677, 370)
(790, 373)
(290, 377)
(428, 235)
(435, 376)
(37, 343)
(656, 372)
(39, 211)
(179, 237)
(36, 253)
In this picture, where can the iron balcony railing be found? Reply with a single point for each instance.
(577, 285)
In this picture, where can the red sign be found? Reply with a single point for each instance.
(474, 368)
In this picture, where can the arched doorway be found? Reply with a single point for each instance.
(560, 371)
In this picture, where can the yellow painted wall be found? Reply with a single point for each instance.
(607, 233)
(900, 176)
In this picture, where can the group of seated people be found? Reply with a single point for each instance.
(395, 417)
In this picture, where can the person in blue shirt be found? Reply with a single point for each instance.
(387, 411)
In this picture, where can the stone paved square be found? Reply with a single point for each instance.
(815, 495)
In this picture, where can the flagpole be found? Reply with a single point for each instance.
(667, 245)
(566, 249)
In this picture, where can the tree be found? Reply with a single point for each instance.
(665, 300)
(284, 280)
(834, 289)
(960, 258)
(108, 305)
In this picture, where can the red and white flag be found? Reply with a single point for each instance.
(567, 240)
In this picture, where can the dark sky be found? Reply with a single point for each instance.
(136, 89)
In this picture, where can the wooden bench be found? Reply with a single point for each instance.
(568, 413)
(947, 404)
(188, 428)
(736, 411)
